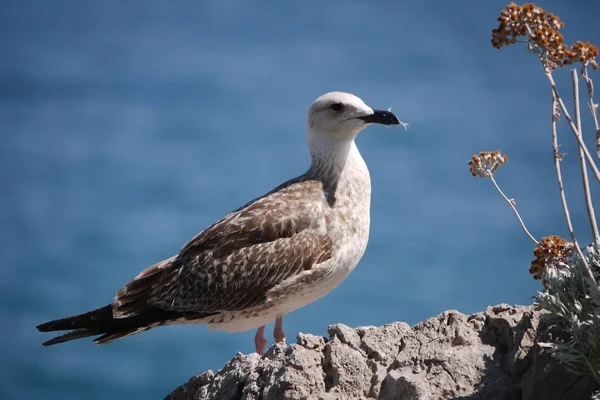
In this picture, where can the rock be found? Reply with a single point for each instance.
(487, 355)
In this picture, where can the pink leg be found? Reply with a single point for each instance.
(278, 331)
(260, 341)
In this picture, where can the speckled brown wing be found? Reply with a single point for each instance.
(231, 265)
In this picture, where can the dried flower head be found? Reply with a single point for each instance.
(584, 53)
(551, 251)
(486, 163)
(540, 29)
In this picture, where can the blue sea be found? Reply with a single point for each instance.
(129, 126)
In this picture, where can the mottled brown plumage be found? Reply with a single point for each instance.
(232, 265)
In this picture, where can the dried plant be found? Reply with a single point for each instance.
(484, 166)
(569, 276)
(486, 163)
(540, 29)
(552, 251)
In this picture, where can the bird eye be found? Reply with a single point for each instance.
(337, 106)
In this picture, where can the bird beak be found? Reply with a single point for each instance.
(381, 117)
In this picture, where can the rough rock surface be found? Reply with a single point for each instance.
(487, 355)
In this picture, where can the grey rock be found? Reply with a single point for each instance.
(487, 355)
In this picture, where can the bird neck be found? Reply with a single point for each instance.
(329, 156)
(339, 165)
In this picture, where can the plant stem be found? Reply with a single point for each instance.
(593, 106)
(582, 163)
(576, 132)
(556, 95)
(512, 205)
(561, 189)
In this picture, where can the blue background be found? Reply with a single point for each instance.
(127, 127)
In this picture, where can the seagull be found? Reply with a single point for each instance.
(274, 255)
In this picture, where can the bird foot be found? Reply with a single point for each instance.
(278, 333)
(280, 339)
(260, 341)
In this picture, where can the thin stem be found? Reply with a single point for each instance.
(582, 163)
(512, 205)
(557, 157)
(556, 95)
(576, 132)
(593, 106)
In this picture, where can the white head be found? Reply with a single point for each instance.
(341, 116)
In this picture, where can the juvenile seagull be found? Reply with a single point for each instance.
(274, 255)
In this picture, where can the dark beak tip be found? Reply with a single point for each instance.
(381, 117)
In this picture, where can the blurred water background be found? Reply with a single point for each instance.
(127, 127)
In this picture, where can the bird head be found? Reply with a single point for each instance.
(341, 116)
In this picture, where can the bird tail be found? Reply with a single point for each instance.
(101, 322)
(130, 314)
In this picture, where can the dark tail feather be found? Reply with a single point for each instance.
(88, 320)
(95, 322)
(78, 334)
(102, 322)
(109, 337)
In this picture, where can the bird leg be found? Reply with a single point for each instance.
(260, 341)
(278, 331)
